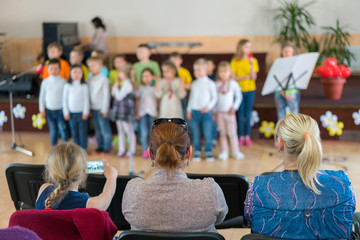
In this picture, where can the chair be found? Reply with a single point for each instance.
(17, 232)
(25, 180)
(81, 223)
(234, 188)
(264, 237)
(139, 235)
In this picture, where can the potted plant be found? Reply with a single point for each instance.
(294, 21)
(335, 51)
(333, 78)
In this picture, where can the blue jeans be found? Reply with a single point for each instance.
(281, 104)
(244, 113)
(203, 120)
(57, 125)
(79, 129)
(103, 131)
(146, 122)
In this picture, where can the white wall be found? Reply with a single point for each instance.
(23, 18)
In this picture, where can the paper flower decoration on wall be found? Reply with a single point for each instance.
(38, 121)
(356, 117)
(19, 111)
(328, 119)
(3, 118)
(336, 128)
(254, 118)
(267, 128)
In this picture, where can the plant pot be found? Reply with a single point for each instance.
(333, 87)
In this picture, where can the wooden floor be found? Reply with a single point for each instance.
(261, 157)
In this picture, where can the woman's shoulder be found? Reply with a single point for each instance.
(333, 177)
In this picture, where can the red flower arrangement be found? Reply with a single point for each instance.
(332, 70)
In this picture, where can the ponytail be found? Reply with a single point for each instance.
(168, 157)
(301, 136)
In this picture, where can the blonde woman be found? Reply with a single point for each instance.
(302, 202)
(65, 172)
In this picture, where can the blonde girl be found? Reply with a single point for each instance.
(245, 68)
(229, 100)
(65, 173)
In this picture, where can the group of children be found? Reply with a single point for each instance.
(140, 95)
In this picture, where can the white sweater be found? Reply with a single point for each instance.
(51, 93)
(231, 98)
(99, 89)
(202, 95)
(76, 98)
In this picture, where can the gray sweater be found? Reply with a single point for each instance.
(173, 204)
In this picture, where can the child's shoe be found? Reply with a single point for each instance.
(223, 156)
(239, 156)
(97, 151)
(197, 157)
(248, 142)
(209, 157)
(145, 154)
(241, 141)
(121, 154)
(106, 152)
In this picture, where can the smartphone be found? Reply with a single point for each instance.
(94, 167)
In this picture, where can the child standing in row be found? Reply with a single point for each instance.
(100, 54)
(146, 108)
(54, 51)
(182, 72)
(202, 101)
(230, 97)
(290, 97)
(50, 102)
(99, 89)
(170, 90)
(245, 68)
(143, 54)
(76, 58)
(76, 105)
(123, 110)
(119, 62)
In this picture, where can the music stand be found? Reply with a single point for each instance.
(290, 73)
(11, 88)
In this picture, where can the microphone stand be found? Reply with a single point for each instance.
(11, 81)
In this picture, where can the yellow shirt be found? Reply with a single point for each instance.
(85, 71)
(185, 74)
(241, 68)
(113, 76)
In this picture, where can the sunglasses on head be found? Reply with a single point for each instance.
(179, 121)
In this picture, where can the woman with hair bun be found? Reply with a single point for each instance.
(170, 201)
(302, 202)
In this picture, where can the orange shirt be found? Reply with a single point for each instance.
(64, 71)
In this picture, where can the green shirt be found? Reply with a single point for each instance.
(139, 67)
(113, 75)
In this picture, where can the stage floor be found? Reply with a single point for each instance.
(261, 157)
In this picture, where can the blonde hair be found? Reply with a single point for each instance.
(79, 51)
(95, 59)
(65, 164)
(55, 45)
(169, 143)
(301, 136)
(239, 53)
(201, 62)
(222, 64)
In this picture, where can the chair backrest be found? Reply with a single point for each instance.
(24, 181)
(95, 185)
(234, 188)
(139, 235)
(73, 224)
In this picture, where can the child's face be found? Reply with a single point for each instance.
(119, 63)
(143, 53)
(287, 51)
(224, 73)
(147, 77)
(54, 52)
(54, 69)
(94, 67)
(168, 72)
(93, 54)
(76, 74)
(177, 61)
(75, 58)
(246, 49)
(211, 67)
(200, 70)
